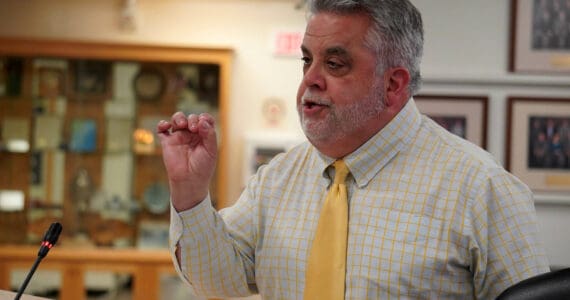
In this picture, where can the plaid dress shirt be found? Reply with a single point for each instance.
(431, 216)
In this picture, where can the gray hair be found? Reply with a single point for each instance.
(396, 35)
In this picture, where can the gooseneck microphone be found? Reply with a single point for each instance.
(49, 240)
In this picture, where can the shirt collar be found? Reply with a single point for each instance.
(372, 156)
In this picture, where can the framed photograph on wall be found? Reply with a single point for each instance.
(465, 116)
(540, 37)
(538, 142)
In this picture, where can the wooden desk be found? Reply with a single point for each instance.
(6, 295)
(144, 265)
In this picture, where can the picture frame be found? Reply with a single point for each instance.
(51, 82)
(463, 115)
(91, 79)
(83, 135)
(538, 44)
(538, 142)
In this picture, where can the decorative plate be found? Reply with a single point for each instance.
(156, 198)
(149, 84)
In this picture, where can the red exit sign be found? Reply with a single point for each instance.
(288, 43)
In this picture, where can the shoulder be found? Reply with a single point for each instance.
(286, 162)
(455, 147)
(475, 165)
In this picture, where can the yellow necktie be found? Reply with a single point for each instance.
(326, 268)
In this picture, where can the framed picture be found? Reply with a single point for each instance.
(91, 78)
(465, 116)
(538, 142)
(83, 136)
(51, 82)
(540, 36)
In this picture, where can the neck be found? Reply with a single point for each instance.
(343, 144)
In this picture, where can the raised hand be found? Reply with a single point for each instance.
(189, 152)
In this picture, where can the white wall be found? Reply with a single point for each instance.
(466, 52)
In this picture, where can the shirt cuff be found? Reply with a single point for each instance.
(177, 225)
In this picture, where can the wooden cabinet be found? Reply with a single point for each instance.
(87, 112)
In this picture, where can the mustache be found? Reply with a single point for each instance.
(309, 98)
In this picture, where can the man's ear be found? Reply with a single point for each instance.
(397, 82)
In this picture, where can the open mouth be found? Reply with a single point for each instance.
(312, 104)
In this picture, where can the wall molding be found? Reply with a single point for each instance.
(498, 80)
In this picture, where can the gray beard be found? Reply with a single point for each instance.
(344, 121)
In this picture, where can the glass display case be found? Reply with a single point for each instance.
(78, 142)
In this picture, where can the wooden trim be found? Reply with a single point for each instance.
(223, 162)
(111, 51)
(512, 34)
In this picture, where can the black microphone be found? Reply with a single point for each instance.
(49, 240)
